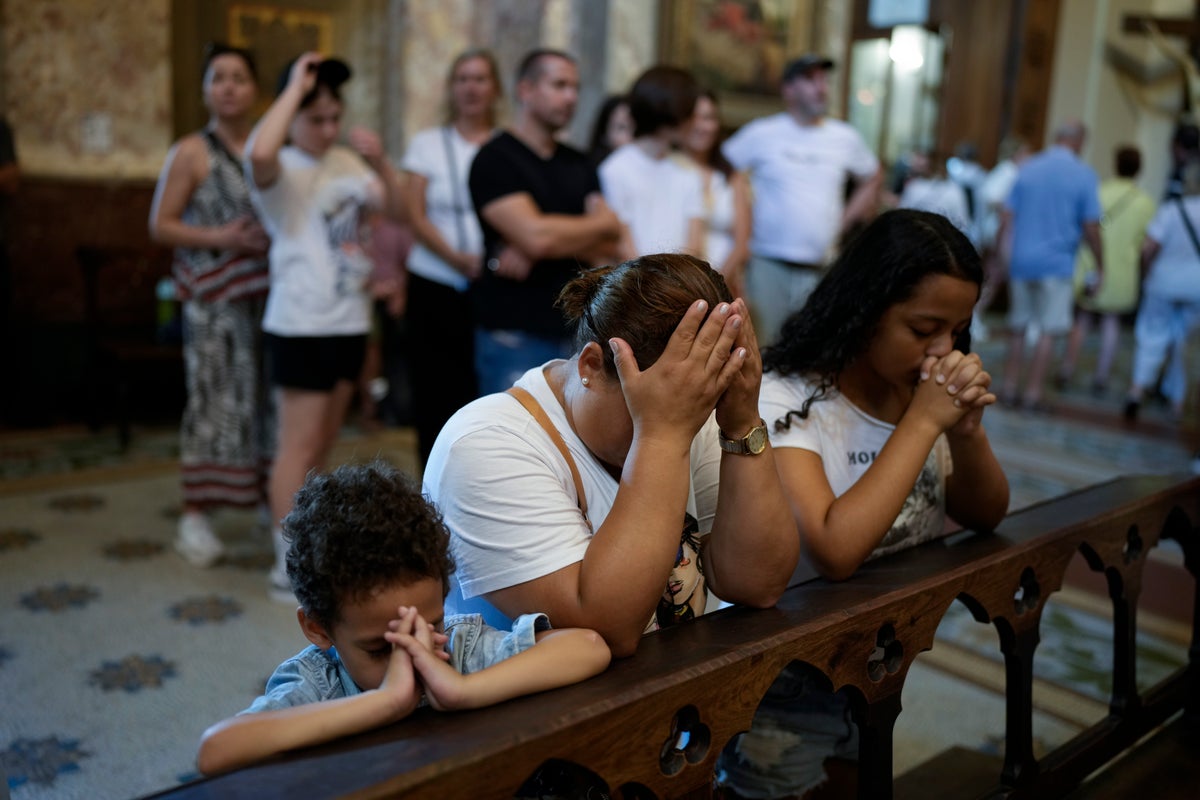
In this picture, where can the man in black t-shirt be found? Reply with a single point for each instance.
(542, 216)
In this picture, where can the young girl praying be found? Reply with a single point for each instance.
(873, 404)
(874, 408)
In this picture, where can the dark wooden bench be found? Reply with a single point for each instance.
(706, 678)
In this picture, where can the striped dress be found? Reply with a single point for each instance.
(226, 435)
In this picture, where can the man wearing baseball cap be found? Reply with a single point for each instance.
(799, 161)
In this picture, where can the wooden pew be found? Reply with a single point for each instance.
(705, 678)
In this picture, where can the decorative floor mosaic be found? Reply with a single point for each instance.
(114, 653)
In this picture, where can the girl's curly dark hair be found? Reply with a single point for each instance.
(880, 267)
(357, 529)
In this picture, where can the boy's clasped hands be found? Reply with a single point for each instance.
(419, 664)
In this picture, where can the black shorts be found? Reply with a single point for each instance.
(315, 363)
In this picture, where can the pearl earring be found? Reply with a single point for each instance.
(587, 381)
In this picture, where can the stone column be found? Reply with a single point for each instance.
(510, 28)
(589, 43)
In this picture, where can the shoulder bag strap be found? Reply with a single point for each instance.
(535, 409)
(459, 206)
(1111, 214)
(226, 192)
(1190, 228)
(219, 147)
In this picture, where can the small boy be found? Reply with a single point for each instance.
(370, 565)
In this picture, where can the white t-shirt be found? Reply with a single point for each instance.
(848, 440)
(939, 196)
(656, 198)
(507, 496)
(319, 271)
(447, 201)
(720, 218)
(1175, 272)
(993, 192)
(798, 173)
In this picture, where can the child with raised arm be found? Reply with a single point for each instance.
(875, 409)
(368, 558)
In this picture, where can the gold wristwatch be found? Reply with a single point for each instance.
(751, 444)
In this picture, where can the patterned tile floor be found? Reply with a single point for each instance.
(115, 655)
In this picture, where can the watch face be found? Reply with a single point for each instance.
(756, 440)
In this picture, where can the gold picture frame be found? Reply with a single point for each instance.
(737, 48)
(276, 35)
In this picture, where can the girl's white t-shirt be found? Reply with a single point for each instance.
(848, 441)
(314, 214)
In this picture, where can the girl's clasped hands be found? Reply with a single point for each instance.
(954, 390)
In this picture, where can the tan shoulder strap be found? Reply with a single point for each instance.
(535, 409)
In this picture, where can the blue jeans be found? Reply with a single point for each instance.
(501, 357)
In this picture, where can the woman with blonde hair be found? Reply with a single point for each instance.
(448, 253)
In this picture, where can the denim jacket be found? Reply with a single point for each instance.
(314, 675)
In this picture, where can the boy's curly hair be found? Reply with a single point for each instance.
(357, 529)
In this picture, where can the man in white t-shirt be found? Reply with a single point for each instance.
(799, 161)
(660, 201)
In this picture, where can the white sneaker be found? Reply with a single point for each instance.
(280, 585)
(196, 542)
(264, 517)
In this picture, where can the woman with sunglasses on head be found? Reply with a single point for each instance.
(202, 208)
(618, 487)
(313, 196)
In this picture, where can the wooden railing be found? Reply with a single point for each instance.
(706, 677)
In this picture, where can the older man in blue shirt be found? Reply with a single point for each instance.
(1054, 203)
